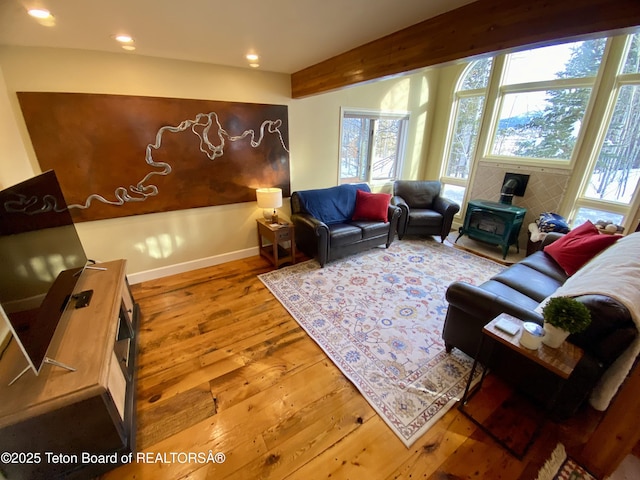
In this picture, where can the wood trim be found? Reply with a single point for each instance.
(481, 27)
(561, 361)
(617, 434)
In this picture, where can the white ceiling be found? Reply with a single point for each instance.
(289, 35)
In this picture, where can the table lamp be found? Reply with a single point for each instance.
(269, 199)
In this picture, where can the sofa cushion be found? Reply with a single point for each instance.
(341, 234)
(371, 206)
(579, 246)
(514, 296)
(544, 263)
(333, 204)
(371, 229)
(424, 218)
(528, 281)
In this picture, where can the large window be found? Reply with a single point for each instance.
(463, 137)
(610, 189)
(544, 95)
(540, 104)
(372, 146)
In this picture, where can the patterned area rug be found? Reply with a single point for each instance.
(561, 467)
(379, 316)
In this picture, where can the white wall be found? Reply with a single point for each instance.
(163, 243)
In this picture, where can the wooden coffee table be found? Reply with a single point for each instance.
(560, 361)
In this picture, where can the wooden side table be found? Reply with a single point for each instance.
(560, 361)
(275, 251)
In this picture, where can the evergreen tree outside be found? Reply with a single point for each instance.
(551, 133)
(542, 102)
(615, 176)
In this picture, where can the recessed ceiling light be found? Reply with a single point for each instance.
(129, 47)
(252, 57)
(254, 65)
(39, 13)
(123, 38)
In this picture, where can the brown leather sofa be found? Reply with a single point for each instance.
(324, 228)
(518, 290)
(424, 211)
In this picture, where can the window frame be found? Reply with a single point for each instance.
(539, 86)
(629, 211)
(459, 94)
(594, 129)
(402, 115)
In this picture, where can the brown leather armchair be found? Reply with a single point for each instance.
(424, 211)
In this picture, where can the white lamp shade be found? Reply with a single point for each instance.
(269, 197)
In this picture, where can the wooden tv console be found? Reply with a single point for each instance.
(75, 424)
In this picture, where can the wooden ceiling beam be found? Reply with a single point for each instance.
(478, 28)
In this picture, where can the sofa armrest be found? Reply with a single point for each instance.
(445, 207)
(550, 238)
(403, 219)
(484, 305)
(470, 309)
(393, 213)
(398, 201)
(448, 210)
(305, 220)
(312, 236)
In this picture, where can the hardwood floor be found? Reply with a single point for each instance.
(224, 368)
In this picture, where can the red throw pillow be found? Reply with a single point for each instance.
(579, 246)
(371, 206)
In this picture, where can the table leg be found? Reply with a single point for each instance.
(469, 393)
(275, 253)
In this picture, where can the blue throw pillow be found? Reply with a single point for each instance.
(552, 222)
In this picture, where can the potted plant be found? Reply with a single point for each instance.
(562, 317)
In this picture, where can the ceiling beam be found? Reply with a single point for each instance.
(481, 27)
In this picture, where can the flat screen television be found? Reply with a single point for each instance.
(41, 257)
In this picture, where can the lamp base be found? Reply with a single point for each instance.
(270, 216)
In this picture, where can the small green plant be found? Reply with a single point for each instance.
(567, 313)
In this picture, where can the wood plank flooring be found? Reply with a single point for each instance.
(224, 368)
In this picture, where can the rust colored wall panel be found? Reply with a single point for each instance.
(118, 155)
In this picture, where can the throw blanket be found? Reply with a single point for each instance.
(616, 273)
(334, 204)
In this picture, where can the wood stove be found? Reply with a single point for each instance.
(494, 223)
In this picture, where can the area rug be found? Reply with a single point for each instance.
(378, 315)
(561, 467)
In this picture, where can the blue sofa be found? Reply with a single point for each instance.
(324, 225)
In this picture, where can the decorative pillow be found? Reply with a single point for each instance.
(552, 222)
(371, 206)
(579, 246)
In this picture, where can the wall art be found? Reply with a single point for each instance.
(119, 155)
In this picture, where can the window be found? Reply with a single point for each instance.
(372, 146)
(610, 189)
(543, 99)
(463, 138)
(539, 104)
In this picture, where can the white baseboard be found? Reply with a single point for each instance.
(191, 265)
